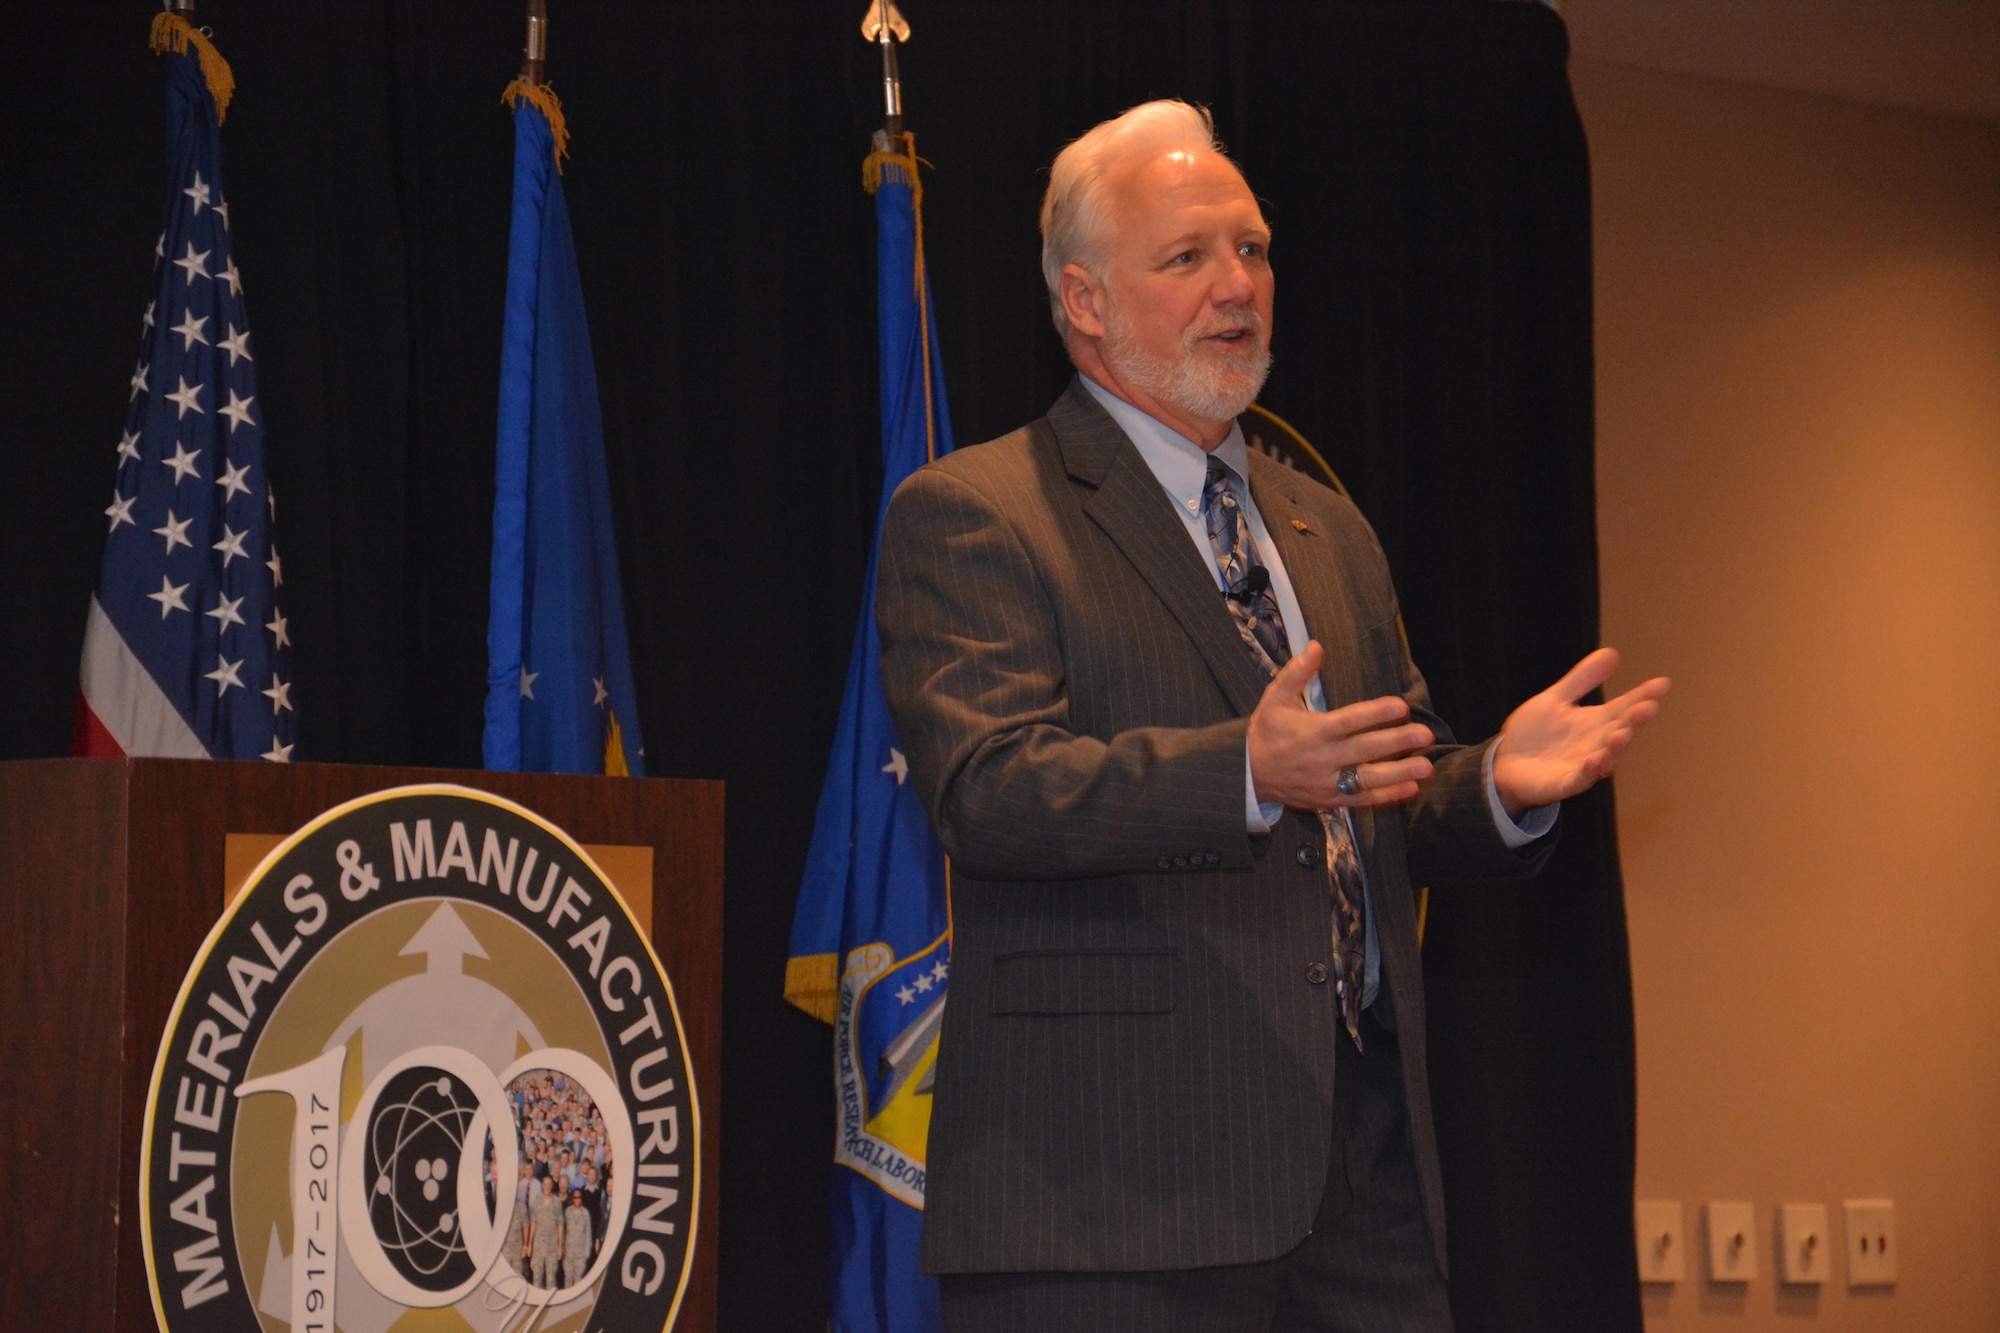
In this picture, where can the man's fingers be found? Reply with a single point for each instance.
(1385, 784)
(1288, 687)
(1586, 675)
(1368, 715)
(1368, 746)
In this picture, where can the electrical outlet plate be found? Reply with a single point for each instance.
(1732, 1241)
(1657, 1224)
(1804, 1248)
(1872, 1248)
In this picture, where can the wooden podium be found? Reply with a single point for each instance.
(112, 872)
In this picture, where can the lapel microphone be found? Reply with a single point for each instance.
(1255, 584)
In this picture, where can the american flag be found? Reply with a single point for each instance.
(187, 650)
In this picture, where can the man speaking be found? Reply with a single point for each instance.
(1153, 692)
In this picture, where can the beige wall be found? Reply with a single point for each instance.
(1798, 370)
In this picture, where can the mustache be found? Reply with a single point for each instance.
(1243, 319)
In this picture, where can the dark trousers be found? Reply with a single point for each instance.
(1366, 1266)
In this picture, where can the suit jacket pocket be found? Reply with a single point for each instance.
(1074, 981)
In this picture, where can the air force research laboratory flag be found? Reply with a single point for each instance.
(187, 651)
(559, 696)
(871, 940)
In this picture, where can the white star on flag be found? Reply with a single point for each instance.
(277, 627)
(280, 695)
(232, 277)
(175, 532)
(121, 510)
(939, 972)
(224, 675)
(238, 411)
(232, 482)
(197, 192)
(236, 344)
(182, 463)
(190, 328)
(189, 397)
(128, 445)
(169, 597)
(225, 611)
(898, 765)
(277, 569)
(597, 683)
(139, 380)
(231, 545)
(528, 679)
(195, 265)
(924, 983)
(150, 305)
(277, 754)
(906, 995)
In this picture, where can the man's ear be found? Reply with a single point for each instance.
(1082, 300)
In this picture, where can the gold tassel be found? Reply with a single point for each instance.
(173, 33)
(543, 99)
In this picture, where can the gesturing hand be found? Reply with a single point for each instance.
(1296, 754)
(1552, 747)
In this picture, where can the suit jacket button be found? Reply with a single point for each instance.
(1165, 863)
(1213, 858)
(1180, 863)
(1316, 973)
(1309, 856)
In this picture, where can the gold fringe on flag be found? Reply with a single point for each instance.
(902, 168)
(173, 33)
(543, 99)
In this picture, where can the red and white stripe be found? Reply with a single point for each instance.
(121, 709)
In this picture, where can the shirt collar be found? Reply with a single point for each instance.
(1180, 465)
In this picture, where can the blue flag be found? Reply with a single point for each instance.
(871, 940)
(559, 695)
(187, 652)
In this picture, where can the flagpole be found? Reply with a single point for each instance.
(535, 52)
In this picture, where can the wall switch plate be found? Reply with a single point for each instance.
(1804, 1251)
(1657, 1224)
(1871, 1242)
(1732, 1241)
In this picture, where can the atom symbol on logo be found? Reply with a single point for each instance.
(416, 1141)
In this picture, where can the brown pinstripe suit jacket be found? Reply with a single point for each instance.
(1136, 1070)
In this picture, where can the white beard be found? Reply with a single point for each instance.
(1206, 390)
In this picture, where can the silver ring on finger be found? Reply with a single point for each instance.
(1348, 782)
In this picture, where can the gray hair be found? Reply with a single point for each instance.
(1073, 208)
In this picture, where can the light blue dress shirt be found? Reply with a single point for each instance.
(1181, 467)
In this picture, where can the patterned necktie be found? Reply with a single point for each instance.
(1262, 628)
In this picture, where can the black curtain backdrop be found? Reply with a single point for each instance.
(1424, 169)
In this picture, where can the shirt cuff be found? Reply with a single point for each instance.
(1258, 817)
(1533, 824)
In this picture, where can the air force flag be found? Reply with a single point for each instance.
(871, 941)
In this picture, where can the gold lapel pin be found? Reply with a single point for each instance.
(1300, 524)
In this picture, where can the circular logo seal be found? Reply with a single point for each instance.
(426, 1059)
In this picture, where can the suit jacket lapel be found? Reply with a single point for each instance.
(1129, 506)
